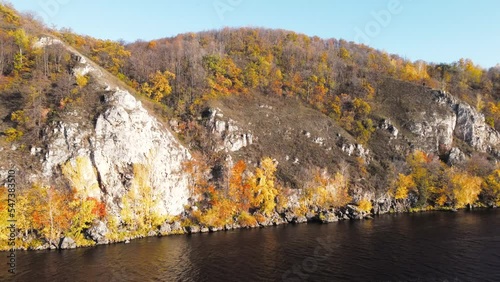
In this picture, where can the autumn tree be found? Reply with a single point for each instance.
(85, 211)
(224, 76)
(421, 175)
(139, 212)
(491, 188)
(239, 189)
(22, 41)
(52, 214)
(158, 85)
(403, 185)
(109, 54)
(466, 188)
(262, 185)
(327, 190)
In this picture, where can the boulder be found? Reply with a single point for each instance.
(175, 226)
(263, 220)
(193, 229)
(328, 217)
(455, 156)
(353, 212)
(289, 216)
(67, 243)
(98, 232)
(165, 228)
(213, 229)
(300, 219)
(311, 216)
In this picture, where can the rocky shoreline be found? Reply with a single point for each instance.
(99, 230)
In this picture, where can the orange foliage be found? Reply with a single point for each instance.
(99, 208)
(239, 189)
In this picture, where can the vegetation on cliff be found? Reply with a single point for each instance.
(341, 84)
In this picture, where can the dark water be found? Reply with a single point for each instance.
(436, 246)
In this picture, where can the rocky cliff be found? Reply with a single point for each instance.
(98, 156)
(262, 159)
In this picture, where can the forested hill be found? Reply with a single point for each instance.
(239, 127)
(284, 63)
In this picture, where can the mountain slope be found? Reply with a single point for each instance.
(232, 128)
(108, 149)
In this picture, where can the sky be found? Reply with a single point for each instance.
(439, 31)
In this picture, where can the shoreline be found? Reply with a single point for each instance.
(196, 229)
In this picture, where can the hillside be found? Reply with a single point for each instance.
(232, 128)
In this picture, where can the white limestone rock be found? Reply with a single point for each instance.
(123, 135)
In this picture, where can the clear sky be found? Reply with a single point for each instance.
(431, 30)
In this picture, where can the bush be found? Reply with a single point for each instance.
(365, 206)
(246, 220)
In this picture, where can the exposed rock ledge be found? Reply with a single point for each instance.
(104, 151)
(470, 125)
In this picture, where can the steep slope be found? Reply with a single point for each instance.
(433, 120)
(407, 118)
(98, 156)
(299, 138)
(280, 128)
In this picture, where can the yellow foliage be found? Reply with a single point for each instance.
(404, 184)
(82, 176)
(361, 108)
(365, 205)
(81, 220)
(220, 214)
(344, 54)
(473, 73)
(52, 213)
(19, 117)
(491, 187)
(139, 206)
(158, 85)
(13, 134)
(82, 80)
(109, 54)
(466, 188)
(262, 186)
(4, 217)
(441, 195)
(8, 14)
(246, 220)
(328, 191)
(370, 91)
(112, 223)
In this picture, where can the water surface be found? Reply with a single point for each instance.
(433, 246)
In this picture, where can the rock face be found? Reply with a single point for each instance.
(124, 135)
(98, 232)
(443, 118)
(231, 136)
(105, 151)
(435, 130)
(470, 125)
(67, 243)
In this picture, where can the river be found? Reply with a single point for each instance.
(431, 246)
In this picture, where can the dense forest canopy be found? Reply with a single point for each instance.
(196, 66)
